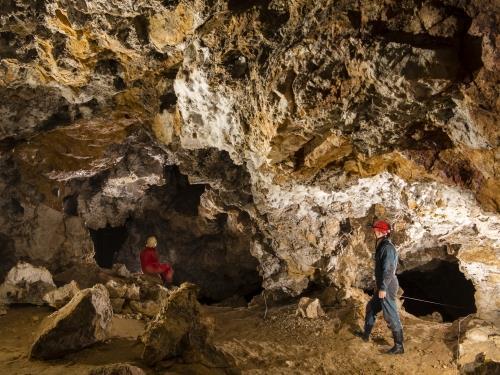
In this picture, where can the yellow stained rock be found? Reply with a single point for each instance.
(482, 254)
(331, 149)
(166, 125)
(169, 28)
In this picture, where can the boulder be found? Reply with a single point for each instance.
(117, 369)
(85, 274)
(117, 304)
(116, 289)
(3, 310)
(481, 366)
(435, 316)
(26, 283)
(310, 308)
(133, 292)
(82, 322)
(148, 308)
(479, 344)
(59, 297)
(121, 270)
(179, 329)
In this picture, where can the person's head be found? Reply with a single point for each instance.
(151, 241)
(381, 228)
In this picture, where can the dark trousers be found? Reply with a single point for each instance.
(389, 309)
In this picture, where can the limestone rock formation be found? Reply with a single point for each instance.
(148, 308)
(179, 330)
(252, 135)
(84, 321)
(310, 308)
(136, 294)
(59, 297)
(479, 346)
(26, 283)
(121, 270)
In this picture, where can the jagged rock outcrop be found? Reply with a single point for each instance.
(84, 321)
(179, 330)
(59, 297)
(309, 308)
(302, 120)
(478, 346)
(26, 283)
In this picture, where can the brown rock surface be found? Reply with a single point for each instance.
(80, 323)
(26, 283)
(179, 329)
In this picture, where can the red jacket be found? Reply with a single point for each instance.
(150, 261)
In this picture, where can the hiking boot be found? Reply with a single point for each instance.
(365, 335)
(398, 343)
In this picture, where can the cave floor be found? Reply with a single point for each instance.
(280, 344)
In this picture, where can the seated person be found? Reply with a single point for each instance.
(150, 262)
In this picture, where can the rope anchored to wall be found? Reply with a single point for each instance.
(435, 303)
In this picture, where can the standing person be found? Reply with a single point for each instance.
(150, 262)
(384, 297)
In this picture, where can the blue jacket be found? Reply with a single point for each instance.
(386, 261)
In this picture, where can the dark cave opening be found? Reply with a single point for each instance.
(211, 251)
(441, 282)
(107, 242)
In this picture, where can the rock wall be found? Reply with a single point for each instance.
(335, 112)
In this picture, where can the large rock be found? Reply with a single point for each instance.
(117, 369)
(121, 270)
(310, 308)
(26, 284)
(479, 345)
(115, 289)
(180, 330)
(82, 322)
(148, 308)
(59, 297)
(117, 304)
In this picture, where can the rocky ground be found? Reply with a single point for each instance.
(283, 343)
(118, 318)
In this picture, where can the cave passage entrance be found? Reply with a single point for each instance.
(107, 242)
(438, 281)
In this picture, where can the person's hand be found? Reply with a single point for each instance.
(381, 294)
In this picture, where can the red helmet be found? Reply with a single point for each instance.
(382, 226)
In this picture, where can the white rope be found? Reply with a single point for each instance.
(435, 303)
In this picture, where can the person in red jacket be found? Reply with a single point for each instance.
(150, 262)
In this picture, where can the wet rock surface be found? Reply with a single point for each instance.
(80, 323)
